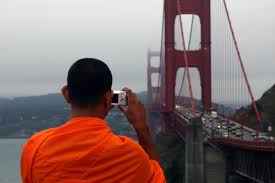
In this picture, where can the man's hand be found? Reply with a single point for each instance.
(135, 111)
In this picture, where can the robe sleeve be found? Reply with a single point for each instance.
(157, 173)
(28, 154)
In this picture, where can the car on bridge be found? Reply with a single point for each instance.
(218, 131)
(225, 134)
(214, 114)
(238, 133)
(232, 125)
(253, 134)
(263, 136)
(225, 126)
(203, 120)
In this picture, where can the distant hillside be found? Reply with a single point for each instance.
(23, 116)
(266, 104)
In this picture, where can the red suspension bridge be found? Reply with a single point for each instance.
(201, 78)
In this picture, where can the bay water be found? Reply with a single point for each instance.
(10, 153)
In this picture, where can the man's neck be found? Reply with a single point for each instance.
(87, 112)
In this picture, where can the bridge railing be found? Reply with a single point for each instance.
(246, 144)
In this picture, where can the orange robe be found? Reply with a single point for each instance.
(85, 150)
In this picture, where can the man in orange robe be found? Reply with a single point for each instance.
(84, 149)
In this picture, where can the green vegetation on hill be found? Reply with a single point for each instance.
(266, 104)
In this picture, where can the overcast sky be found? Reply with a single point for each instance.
(40, 39)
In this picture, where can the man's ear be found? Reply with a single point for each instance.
(108, 98)
(65, 93)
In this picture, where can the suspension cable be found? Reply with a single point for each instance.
(186, 60)
(182, 82)
(189, 45)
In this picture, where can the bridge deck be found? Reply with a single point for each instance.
(243, 141)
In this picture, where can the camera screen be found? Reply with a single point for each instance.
(115, 98)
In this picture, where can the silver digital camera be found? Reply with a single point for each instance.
(119, 98)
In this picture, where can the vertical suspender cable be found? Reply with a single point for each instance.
(220, 55)
(223, 64)
(243, 69)
(227, 69)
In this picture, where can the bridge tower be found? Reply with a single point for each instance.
(174, 59)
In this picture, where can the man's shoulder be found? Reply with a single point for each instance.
(116, 141)
(29, 150)
(38, 137)
(122, 145)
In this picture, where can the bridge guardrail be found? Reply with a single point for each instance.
(252, 145)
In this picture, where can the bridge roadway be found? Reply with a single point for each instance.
(218, 123)
(240, 137)
(232, 154)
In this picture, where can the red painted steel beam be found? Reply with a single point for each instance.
(170, 75)
(263, 146)
(174, 59)
(154, 70)
(194, 58)
(206, 54)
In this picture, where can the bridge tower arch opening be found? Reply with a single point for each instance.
(181, 91)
